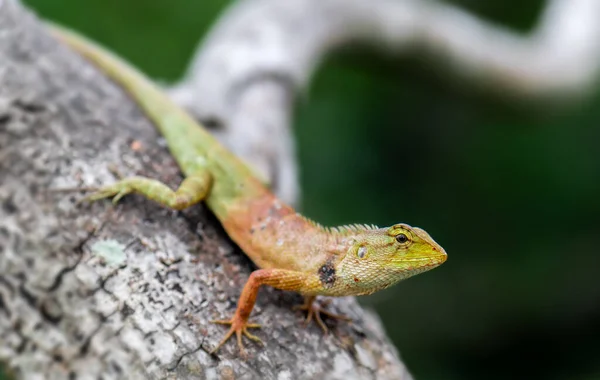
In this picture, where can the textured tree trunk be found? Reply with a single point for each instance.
(96, 291)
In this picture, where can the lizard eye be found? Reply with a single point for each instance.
(401, 238)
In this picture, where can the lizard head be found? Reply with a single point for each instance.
(380, 257)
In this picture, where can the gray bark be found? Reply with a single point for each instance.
(96, 291)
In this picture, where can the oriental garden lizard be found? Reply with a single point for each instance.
(292, 252)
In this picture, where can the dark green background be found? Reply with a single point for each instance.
(511, 190)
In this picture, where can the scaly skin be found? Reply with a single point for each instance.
(292, 252)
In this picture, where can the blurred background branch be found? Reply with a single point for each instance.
(261, 53)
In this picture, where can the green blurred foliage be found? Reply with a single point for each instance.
(509, 189)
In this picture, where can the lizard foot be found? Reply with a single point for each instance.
(314, 310)
(116, 192)
(238, 327)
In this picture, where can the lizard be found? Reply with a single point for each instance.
(292, 252)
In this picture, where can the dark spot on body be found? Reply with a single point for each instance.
(251, 231)
(356, 279)
(327, 274)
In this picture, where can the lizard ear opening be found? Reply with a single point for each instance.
(361, 252)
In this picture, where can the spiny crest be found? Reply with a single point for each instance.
(312, 222)
(344, 229)
(352, 228)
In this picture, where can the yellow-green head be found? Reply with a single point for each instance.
(380, 257)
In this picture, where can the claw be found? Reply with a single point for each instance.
(239, 328)
(115, 191)
(313, 310)
(252, 337)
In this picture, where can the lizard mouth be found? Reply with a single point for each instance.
(431, 261)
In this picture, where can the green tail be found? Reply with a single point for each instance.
(194, 148)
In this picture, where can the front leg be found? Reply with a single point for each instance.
(277, 278)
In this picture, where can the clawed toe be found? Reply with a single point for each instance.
(239, 328)
(314, 310)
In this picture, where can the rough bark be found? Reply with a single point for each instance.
(96, 291)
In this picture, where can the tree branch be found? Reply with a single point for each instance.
(94, 291)
(262, 52)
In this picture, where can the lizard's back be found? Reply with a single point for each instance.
(270, 232)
